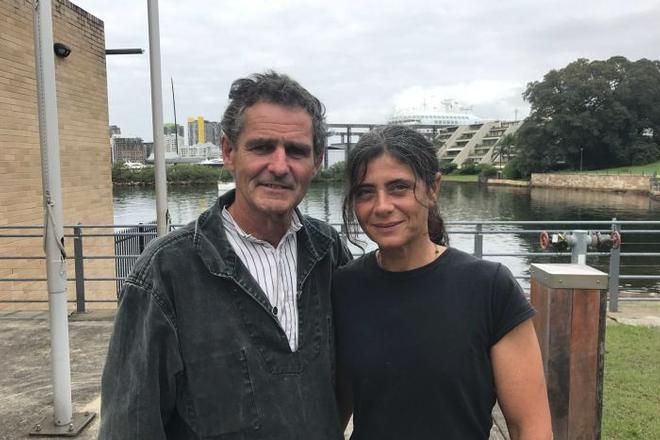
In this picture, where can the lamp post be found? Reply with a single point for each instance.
(581, 148)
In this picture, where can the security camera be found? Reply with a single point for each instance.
(61, 50)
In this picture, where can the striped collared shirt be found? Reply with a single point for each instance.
(273, 268)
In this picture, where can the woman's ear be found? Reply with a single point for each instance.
(434, 189)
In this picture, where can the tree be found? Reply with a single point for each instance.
(505, 147)
(608, 112)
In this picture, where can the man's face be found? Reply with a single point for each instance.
(272, 161)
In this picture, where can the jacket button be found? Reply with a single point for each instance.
(275, 311)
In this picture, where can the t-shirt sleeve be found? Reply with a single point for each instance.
(509, 305)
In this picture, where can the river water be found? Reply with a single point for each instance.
(459, 202)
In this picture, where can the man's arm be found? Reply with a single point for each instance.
(520, 385)
(138, 390)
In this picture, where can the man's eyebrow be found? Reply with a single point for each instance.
(301, 145)
(260, 141)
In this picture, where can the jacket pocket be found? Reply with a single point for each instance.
(221, 395)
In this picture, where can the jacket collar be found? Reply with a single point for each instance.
(213, 247)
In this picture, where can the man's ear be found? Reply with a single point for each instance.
(227, 153)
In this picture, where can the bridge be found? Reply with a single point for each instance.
(349, 134)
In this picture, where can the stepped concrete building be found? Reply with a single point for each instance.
(475, 143)
(82, 97)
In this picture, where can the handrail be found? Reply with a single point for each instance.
(123, 262)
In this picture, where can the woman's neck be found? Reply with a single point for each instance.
(409, 257)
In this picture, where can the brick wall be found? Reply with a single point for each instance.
(84, 144)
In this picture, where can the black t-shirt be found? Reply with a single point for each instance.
(415, 345)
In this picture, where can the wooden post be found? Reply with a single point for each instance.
(571, 303)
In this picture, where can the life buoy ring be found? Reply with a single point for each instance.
(616, 240)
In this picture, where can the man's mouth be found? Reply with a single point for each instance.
(276, 186)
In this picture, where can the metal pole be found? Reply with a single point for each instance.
(478, 242)
(80, 268)
(52, 195)
(162, 213)
(581, 240)
(176, 126)
(615, 268)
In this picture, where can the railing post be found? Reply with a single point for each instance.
(343, 234)
(141, 230)
(615, 271)
(570, 324)
(479, 241)
(79, 266)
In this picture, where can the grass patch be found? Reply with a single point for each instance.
(460, 178)
(645, 170)
(631, 399)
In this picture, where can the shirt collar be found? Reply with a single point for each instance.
(294, 227)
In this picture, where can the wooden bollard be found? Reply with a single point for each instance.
(571, 302)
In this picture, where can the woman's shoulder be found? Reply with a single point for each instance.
(354, 267)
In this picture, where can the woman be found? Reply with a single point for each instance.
(427, 336)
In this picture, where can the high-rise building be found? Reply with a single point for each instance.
(127, 149)
(476, 143)
(173, 137)
(201, 131)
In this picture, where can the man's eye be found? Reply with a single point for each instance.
(260, 148)
(297, 152)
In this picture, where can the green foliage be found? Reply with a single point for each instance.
(487, 170)
(512, 170)
(603, 113)
(334, 173)
(470, 168)
(180, 173)
(447, 167)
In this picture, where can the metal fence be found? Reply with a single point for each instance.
(130, 241)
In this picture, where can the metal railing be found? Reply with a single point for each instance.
(130, 240)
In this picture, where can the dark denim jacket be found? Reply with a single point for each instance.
(197, 353)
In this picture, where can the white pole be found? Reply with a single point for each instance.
(162, 213)
(53, 229)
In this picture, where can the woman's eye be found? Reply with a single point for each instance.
(399, 187)
(363, 193)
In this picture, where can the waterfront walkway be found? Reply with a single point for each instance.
(26, 380)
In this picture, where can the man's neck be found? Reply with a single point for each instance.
(270, 229)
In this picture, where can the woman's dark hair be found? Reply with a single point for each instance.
(408, 147)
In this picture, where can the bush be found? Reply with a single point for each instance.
(487, 170)
(470, 168)
(447, 167)
(180, 173)
(334, 173)
(512, 170)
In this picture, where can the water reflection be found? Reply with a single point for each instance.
(458, 202)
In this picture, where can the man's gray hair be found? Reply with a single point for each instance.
(274, 88)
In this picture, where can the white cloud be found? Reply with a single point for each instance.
(362, 58)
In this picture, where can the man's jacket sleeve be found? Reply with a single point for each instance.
(138, 391)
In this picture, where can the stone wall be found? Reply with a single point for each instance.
(84, 145)
(602, 182)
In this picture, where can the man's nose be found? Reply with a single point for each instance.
(278, 164)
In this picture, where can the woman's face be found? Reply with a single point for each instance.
(391, 208)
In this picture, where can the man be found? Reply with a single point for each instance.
(224, 326)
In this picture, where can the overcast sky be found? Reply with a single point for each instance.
(363, 58)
